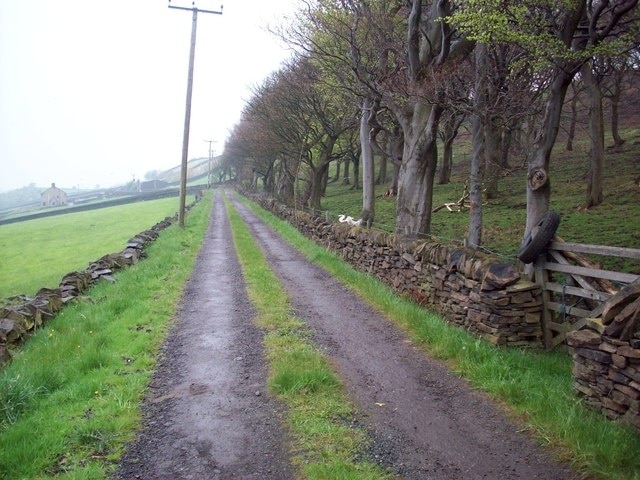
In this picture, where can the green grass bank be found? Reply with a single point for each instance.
(615, 222)
(38, 253)
(70, 400)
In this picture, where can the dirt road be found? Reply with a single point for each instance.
(208, 414)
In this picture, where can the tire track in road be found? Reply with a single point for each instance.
(425, 422)
(206, 415)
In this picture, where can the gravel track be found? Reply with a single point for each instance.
(207, 415)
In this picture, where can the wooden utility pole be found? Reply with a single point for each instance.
(210, 169)
(187, 114)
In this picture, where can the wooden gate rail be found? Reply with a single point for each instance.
(591, 284)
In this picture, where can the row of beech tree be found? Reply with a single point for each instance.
(388, 78)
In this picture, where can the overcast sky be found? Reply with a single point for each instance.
(92, 92)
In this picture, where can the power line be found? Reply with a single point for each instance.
(210, 176)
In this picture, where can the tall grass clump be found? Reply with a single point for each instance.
(70, 400)
(323, 443)
(534, 387)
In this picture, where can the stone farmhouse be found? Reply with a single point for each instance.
(53, 197)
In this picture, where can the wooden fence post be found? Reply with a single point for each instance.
(541, 277)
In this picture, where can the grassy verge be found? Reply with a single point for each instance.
(37, 253)
(70, 400)
(533, 386)
(324, 444)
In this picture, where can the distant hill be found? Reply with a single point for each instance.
(28, 197)
(197, 167)
(20, 196)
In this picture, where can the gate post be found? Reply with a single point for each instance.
(541, 277)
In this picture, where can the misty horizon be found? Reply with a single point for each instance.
(94, 93)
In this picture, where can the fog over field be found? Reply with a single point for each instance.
(93, 93)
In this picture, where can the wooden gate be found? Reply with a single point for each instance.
(574, 288)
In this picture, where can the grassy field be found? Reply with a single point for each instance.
(37, 253)
(70, 399)
(615, 222)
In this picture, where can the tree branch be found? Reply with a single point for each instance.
(413, 38)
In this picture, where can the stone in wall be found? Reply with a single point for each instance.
(606, 374)
(606, 357)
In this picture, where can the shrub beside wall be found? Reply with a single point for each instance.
(469, 288)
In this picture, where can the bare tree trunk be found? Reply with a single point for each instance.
(480, 156)
(505, 145)
(449, 126)
(516, 138)
(491, 156)
(418, 169)
(474, 233)
(336, 177)
(487, 98)
(345, 179)
(574, 118)
(269, 179)
(396, 147)
(317, 177)
(269, 183)
(325, 182)
(286, 181)
(393, 184)
(368, 167)
(382, 170)
(319, 173)
(615, 102)
(306, 194)
(415, 190)
(596, 136)
(356, 173)
(538, 183)
(528, 139)
(447, 162)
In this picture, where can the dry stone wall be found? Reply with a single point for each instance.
(21, 315)
(606, 374)
(606, 358)
(468, 288)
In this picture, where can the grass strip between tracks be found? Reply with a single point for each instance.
(535, 387)
(70, 400)
(324, 443)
